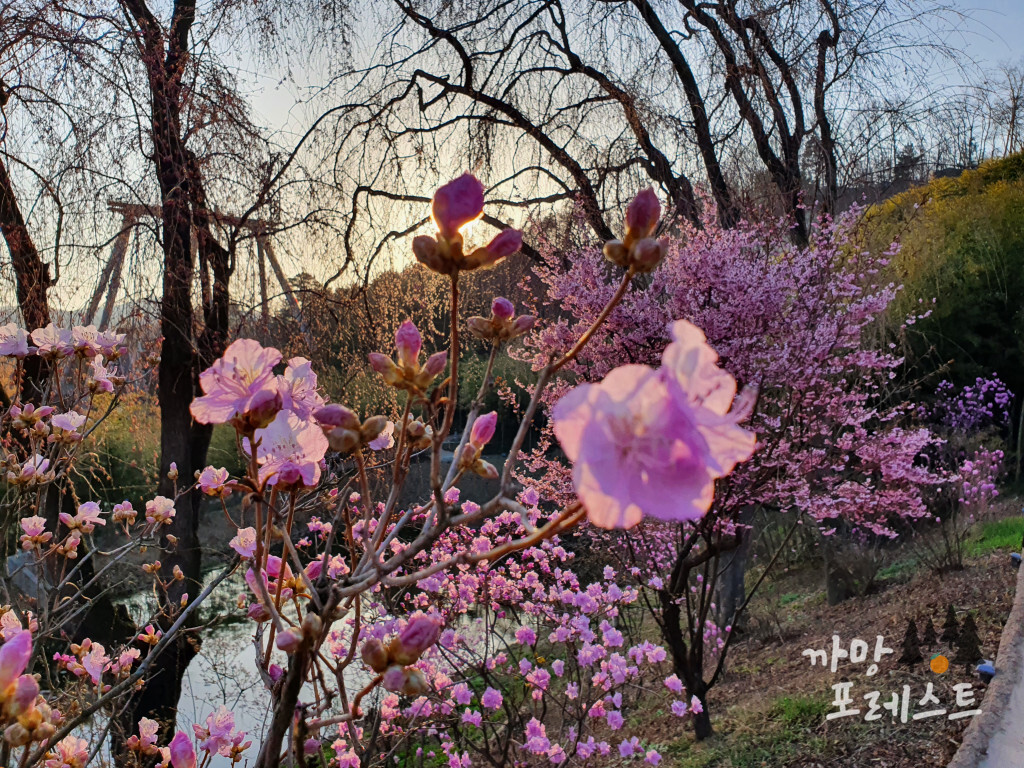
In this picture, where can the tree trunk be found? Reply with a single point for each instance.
(32, 278)
(732, 582)
(702, 720)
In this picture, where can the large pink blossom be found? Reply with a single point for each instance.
(290, 451)
(236, 382)
(642, 446)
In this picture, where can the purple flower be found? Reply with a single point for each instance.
(491, 699)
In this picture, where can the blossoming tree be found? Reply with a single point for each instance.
(836, 443)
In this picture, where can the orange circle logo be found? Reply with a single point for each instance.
(939, 663)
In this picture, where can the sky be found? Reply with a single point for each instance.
(995, 32)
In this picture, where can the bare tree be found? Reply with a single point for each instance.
(586, 101)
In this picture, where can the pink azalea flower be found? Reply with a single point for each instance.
(160, 510)
(70, 752)
(69, 422)
(290, 451)
(219, 731)
(706, 393)
(13, 341)
(183, 754)
(244, 543)
(101, 381)
(213, 482)
(95, 662)
(53, 342)
(84, 340)
(86, 519)
(237, 382)
(298, 388)
(386, 438)
(646, 442)
(145, 742)
(491, 699)
(35, 532)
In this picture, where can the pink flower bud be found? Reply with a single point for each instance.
(394, 678)
(258, 612)
(524, 324)
(483, 429)
(25, 691)
(502, 308)
(335, 415)
(436, 363)
(419, 634)
(457, 203)
(408, 342)
(375, 655)
(183, 754)
(505, 243)
(289, 640)
(311, 747)
(275, 672)
(643, 214)
(486, 470)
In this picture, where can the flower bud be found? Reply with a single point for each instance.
(17, 735)
(343, 440)
(505, 243)
(415, 683)
(335, 415)
(524, 324)
(275, 672)
(480, 327)
(648, 254)
(456, 204)
(425, 250)
(394, 678)
(312, 625)
(486, 470)
(258, 613)
(385, 366)
(262, 408)
(372, 427)
(642, 215)
(502, 308)
(375, 655)
(408, 342)
(483, 429)
(417, 636)
(435, 363)
(615, 251)
(289, 640)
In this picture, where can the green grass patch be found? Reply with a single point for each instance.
(799, 711)
(996, 535)
(899, 570)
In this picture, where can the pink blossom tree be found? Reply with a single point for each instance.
(835, 442)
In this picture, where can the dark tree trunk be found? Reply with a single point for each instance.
(732, 582)
(32, 278)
